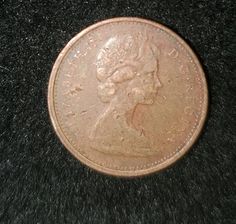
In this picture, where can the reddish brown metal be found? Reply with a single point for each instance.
(127, 96)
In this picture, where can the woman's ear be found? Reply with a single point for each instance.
(136, 95)
(106, 91)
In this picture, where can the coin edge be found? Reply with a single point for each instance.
(129, 173)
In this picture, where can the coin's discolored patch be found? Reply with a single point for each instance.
(127, 96)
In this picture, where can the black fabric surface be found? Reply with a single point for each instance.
(41, 182)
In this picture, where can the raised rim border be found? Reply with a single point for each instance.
(86, 161)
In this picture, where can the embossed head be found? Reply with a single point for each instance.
(127, 69)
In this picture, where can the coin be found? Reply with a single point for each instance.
(127, 96)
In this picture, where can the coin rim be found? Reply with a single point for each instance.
(106, 170)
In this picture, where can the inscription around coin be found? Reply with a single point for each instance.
(173, 53)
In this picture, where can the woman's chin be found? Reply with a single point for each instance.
(149, 101)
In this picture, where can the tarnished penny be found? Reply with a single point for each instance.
(127, 96)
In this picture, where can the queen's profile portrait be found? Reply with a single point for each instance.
(127, 73)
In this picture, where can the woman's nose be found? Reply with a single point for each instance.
(157, 83)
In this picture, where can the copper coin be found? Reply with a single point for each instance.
(127, 96)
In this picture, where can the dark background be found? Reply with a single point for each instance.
(41, 182)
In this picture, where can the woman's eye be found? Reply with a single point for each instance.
(150, 75)
(147, 80)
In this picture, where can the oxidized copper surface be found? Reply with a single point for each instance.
(127, 96)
